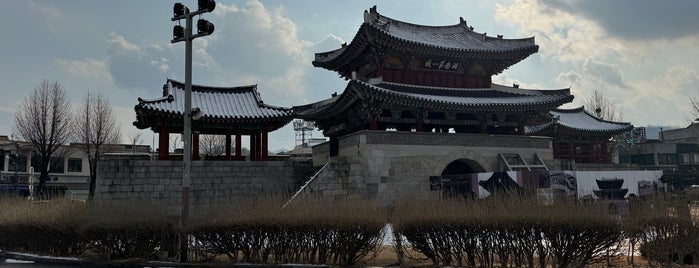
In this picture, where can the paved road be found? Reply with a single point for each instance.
(33, 265)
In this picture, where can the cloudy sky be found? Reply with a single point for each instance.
(642, 54)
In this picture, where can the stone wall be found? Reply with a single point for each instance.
(389, 166)
(159, 183)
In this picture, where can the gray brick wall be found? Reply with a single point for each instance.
(159, 183)
(444, 139)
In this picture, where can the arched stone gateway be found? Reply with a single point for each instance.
(465, 160)
(454, 179)
(462, 166)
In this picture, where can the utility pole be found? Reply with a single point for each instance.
(179, 34)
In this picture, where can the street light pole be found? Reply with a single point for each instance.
(187, 154)
(179, 34)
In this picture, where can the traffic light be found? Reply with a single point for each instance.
(179, 9)
(177, 32)
(207, 5)
(204, 27)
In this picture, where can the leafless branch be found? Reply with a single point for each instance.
(95, 126)
(44, 120)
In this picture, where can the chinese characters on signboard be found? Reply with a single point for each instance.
(441, 65)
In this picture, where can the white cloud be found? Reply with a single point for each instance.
(329, 42)
(45, 11)
(506, 80)
(608, 72)
(648, 79)
(120, 43)
(257, 45)
(138, 66)
(664, 97)
(600, 73)
(222, 9)
(560, 35)
(89, 68)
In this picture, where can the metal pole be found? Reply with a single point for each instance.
(187, 132)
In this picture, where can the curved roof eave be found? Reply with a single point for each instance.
(375, 23)
(568, 124)
(356, 88)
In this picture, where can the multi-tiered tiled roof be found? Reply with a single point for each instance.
(223, 108)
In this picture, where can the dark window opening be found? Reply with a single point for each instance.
(75, 165)
(56, 165)
(17, 163)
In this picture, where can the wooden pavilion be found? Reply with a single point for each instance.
(578, 135)
(229, 111)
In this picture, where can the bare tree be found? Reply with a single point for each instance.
(600, 106)
(43, 119)
(695, 107)
(212, 145)
(95, 128)
(135, 139)
(175, 142)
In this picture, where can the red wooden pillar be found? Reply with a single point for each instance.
(195, 146)
(263, 148)
(163, 143)
(253, 147)
(238, 146)
(258, 146)
(228, 146)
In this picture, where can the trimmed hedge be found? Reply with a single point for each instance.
(476, 233)
(336, 232)
(506, 233)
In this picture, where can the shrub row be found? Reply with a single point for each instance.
(336, 232)
(476, 233)
(665, 230)
(308, 243)
(66, 228)
(507, 233)
(251, 232)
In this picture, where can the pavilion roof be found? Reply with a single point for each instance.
(497, 98)
(341, 113)
(223, 108)
(577, 121)
(458, 41)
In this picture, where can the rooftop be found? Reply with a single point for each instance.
(450, 40)
(218, 105)
(496, 98)
(578, 120)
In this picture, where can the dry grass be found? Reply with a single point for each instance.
(68, 216)
(387, 256)
(269, 209)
